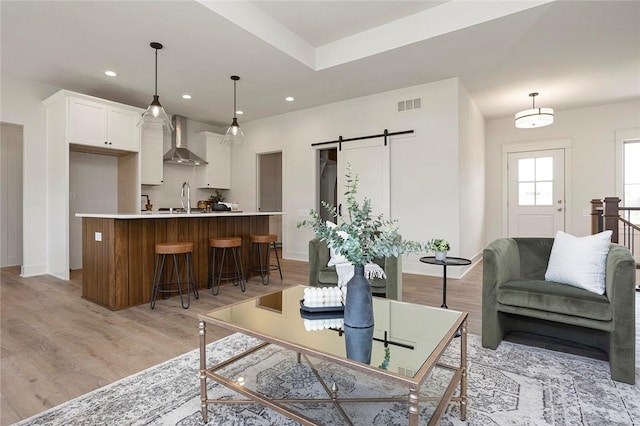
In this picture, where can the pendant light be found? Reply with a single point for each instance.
(534, 117)
(155, 113)
(234, 135)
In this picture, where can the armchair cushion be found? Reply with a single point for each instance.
(553, 297)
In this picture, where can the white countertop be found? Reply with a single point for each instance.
(166, 215)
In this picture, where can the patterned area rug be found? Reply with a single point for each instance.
(514, 385)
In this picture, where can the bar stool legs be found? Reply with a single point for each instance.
(173, 283)
(230, 247)
(264, 267)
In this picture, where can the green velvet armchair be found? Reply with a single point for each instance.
(321, 275)
(515, 297)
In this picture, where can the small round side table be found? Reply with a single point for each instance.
(448, 261)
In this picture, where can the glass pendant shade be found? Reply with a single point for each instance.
(234, 135)
(155, 113)
(534, 117)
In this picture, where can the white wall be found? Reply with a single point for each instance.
(425, 191)
(93, 188)
(472, 179)
(592, 134)
(21, 103)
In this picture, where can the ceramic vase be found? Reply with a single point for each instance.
(359, 342)
(441, 255)
(358, 306)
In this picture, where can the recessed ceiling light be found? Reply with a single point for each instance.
(111, 73)
(185, 96)
(239, 112)
(289, 99)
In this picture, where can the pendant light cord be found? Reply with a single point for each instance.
(156, 86)
(234, 99)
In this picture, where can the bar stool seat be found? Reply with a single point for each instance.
(174, 284)
(263, 243)
(230, 246)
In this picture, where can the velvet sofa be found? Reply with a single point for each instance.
(321, 275)
(516, 297)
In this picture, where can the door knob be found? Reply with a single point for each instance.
(560, 209)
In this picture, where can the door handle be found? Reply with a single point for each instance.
(560, 209)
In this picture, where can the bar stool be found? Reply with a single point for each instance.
(264, 266)
(230, 247)
(159, 286)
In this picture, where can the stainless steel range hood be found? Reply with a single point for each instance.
(179, 154)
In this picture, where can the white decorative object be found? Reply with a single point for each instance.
(579, 261)
(315, 297)
(441, 255)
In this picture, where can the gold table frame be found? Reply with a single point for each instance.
(413, 383)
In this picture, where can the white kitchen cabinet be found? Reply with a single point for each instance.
(103, 124)
(217, 173)
(77, 122)
(151, 152)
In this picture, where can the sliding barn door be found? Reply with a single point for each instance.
(369, 158)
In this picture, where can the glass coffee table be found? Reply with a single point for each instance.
(407, 347)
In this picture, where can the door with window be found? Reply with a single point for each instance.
(536, 193)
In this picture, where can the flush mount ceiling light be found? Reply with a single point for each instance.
(234, 135)
(110, 73)
(155, 113)
(534, 117)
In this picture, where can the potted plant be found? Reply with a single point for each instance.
(440, 247)
(360, 238)
(216, 199)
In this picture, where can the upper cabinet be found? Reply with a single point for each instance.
(103, 124)
(151, 152)
(217, 173)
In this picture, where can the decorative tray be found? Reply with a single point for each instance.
(320, 309)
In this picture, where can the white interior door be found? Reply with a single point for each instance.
(536, 193)
(369, 159)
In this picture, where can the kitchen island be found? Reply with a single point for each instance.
(118, 250)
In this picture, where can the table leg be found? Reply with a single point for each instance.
(203, 367)
(444, 287)
(463, 379)
(414, 411)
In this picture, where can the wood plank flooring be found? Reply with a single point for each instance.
(55, 346)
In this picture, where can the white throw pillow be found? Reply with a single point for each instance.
(336, 258)
(579, 261)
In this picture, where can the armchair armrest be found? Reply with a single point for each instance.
(315, 246)
(620, 281)
(501, 263)
(393, 271)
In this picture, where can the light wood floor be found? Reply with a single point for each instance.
(56, 346)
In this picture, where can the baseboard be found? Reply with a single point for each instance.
(33, 270)
(295, 255)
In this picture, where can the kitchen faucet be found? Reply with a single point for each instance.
(188, 208)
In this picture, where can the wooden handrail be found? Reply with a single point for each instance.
(606, 214)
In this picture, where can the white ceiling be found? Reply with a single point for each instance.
(573, 53)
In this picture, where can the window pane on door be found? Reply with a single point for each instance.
(544, 168)
(526, 170)
(527, 194)
(544, 193)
